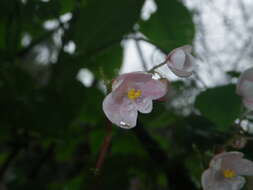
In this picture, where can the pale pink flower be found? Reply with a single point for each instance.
(132, 92)
(225, 172)
(181, 62)
(245, 88)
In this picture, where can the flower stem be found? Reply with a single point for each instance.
(104, 148)
(157, 66)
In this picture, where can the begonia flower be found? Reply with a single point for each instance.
(245, 88)
(132, 92)
(181, 62)
(225, 172)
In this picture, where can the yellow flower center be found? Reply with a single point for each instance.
(133, 94)
(229, 173)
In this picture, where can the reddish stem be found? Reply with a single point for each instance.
(104, 148)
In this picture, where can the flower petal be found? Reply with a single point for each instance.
(138, 76)
(244, 167)
(235, 183)
(226, 157)
(128, 114)
(111, 109)
(177, 59)
(144, 105)
(122, 114)
(180, 73)
(212, 181)
(189, 63)
(129, 80)
(245, 76)
(186, 48)
(234, 161)
(181, 62)
(246, 89)
(207, 179)
(154, 89)
(248, 103)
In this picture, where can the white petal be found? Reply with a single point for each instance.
(111, 109)
(189, 63)
(234, 155)
(212, 181)
(207, 179)
(122, 114)
(154, 89)
(245, 76)
(187, 48)
(235, 183)
(244, 167)
(178, 59)
(144, 105)
(128, 114)
(247, 89)
(248, 104)
(180, 73)
(116, 83)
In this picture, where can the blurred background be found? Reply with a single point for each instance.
(56, 58)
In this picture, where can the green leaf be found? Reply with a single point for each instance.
(96, 139)
(66, 6)
(91, 109)
(107, 63)
(123, 144)
(234, 74)
(103, 23)
(170, 26)
(221, 105)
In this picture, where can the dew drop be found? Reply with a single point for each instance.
(124, 125)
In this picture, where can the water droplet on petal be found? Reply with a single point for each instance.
(124, 125)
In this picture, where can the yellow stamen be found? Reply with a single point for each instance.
(229, 173)
(133, 94)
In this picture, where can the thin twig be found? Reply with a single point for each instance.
(157, 66)
(138, 47)
(104, 149)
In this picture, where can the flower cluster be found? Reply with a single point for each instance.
(133, 92)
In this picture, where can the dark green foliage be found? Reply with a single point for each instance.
(221, 105)
(109, 62)
(170, 26)
(102, 23)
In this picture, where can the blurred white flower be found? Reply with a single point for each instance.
(225, 172)
(245, 88)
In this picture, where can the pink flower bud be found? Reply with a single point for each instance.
(181, 62)
(132, 92)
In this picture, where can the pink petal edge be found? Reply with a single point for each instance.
(154, 89)
(119, 113)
